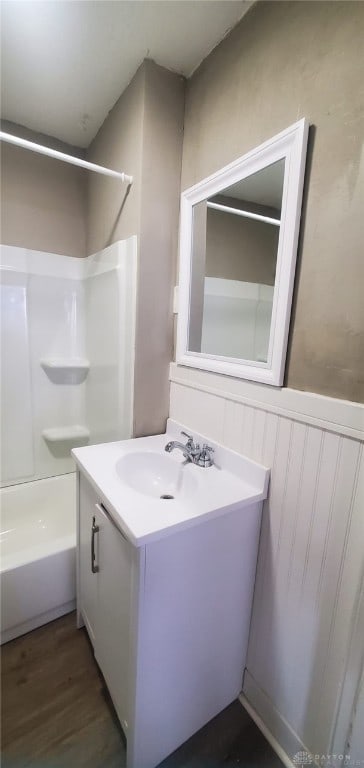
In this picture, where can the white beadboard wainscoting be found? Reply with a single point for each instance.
(311, 558)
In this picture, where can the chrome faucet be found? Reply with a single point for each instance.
(192, 451)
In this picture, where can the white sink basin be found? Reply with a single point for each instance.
(156, 475)
(132, 477)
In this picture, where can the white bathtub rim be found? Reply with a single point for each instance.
(37, 573)
(14, 560)
(54, 500)
(21, 481)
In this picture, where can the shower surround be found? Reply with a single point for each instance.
(67, 354)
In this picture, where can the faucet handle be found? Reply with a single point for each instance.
(189, 437)
(205, 459)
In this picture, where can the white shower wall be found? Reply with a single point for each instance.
(110, 297)
(17, 458)
(229, 306)
(61, 308)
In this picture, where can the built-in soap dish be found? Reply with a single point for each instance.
(66, 370)
(75, 434)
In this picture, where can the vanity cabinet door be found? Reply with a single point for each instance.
(87, 580)
(116, 558)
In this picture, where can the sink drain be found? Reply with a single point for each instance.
(166, 496)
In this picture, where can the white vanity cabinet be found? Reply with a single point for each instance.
(107, 563)
(168, 614)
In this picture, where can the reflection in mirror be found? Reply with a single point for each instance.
(234, 255)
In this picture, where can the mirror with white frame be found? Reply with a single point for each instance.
(239, 233)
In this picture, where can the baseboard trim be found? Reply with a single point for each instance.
(283, 739)
(286, 760)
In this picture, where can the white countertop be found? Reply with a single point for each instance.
(232, 482)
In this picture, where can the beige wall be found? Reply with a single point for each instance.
(143, 136)
(43, 201)
(160, 193)
(284, 61)
(113, 211)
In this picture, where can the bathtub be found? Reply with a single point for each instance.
(38, 553)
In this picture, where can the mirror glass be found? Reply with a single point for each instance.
(239, 231)
(233, 269)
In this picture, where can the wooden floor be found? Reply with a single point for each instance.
(56, 712)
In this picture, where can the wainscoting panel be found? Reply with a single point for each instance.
(311, 555)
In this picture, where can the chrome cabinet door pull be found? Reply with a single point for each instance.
(95, 529)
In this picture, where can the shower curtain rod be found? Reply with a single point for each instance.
(246, 214)
(65, 158)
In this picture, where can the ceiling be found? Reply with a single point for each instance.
(66, 62)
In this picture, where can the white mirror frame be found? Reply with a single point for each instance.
(290, 145)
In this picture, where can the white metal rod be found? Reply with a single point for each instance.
(62, 156)
(246, 214)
